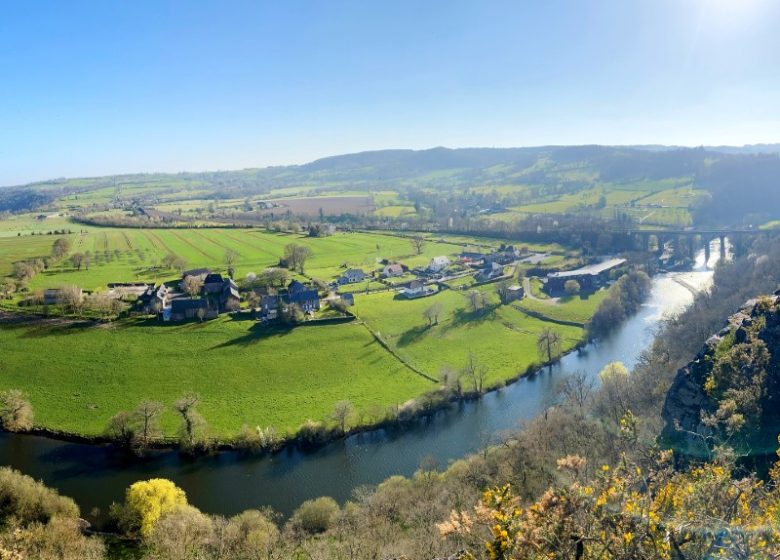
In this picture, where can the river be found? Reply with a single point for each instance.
(229, 482)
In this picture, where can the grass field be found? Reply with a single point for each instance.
(502, 337)
(141, 249)
(573, 308)
(78, 378)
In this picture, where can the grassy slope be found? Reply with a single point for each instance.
(78, 378)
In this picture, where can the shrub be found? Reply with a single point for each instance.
(146, 502)
(28, 501)
(315, 516)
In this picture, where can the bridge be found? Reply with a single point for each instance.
(690, 239)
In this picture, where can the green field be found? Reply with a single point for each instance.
(502, 337)
(141, 250)
(77, 378)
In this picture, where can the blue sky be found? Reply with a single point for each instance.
(93, 88)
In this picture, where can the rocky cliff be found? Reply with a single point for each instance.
(730, 393)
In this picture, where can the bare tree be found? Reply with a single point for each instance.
(476, 372)
(230, 259)
(451, 379)
(16, 413)
(77, 259)
(71, 298)
(193, 425)
(146, 423)
(296, 256)
(476, 300)
(548, 344)
(432, 313)
(193, 285)
(418, 243)
(120, 428)
(342, 411)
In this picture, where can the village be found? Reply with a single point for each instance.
(204, 293)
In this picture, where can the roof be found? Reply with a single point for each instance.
(394, 266)
(213, 278)
(590, 270)
(353, 271)
(515, 288)
(295, 286)
(415, 285)
(182, 304)
(196, 272)
(440, 259)
(348, 297)
(305, 295)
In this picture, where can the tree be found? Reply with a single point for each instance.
(432, 313)
(502, 291)
(315, 516)
(612, 398)
(8, 289)
(342, 411)
(146, 423)
(476, 300)
(476, 372)
(418, 243)
(548, 344)
(16, 413)
(571, 287)
(191, 432)
(120, 428)
(193, 285)
(71, 298)
(230, 259)
(295, 256)
(77, 259)
(60, 248)
(146, 502)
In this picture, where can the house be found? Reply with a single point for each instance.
(183, 309)
(469, 257)
(392, 271)
(212, 284)
(504, 255)
(438, 264)
(348, 299)
(589, 277)
(489, 272)
(295, 286)
(307, 300)
(269, 308)
(154, 299)
(417, 289)
(514, 293)
(352, 276)
(229, 298)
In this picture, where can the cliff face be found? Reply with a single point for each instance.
(730, 392)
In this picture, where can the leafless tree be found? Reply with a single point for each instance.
(192, 423)
(71, 298)
(476, 372)
(193, 285)
(548, 344)
(431, 314)
(77, 259)
(120, 428)
(476, 300)
(146, 423)
(502, 291)
(230, 259)
(418, 243)
(342, 411)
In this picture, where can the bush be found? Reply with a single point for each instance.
(16, 414)
(312, 432)
(315, 516)
(29, 501)
(146, 502)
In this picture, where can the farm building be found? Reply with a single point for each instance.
(515, 293)
(589, 277)
(269, 308)
(296, 286)
(154, 299)
(491, 271)
(307, 300)
(352, 276)
(469, 257)
(438, 264)
(184, 308)
(392, 271)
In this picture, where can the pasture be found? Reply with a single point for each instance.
(245, 373)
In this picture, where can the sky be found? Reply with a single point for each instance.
(95, 88)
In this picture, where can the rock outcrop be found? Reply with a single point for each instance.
(730, 392)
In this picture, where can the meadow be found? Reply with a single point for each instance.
(245, 373)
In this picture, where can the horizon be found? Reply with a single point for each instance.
(530, 147)
(117, 89)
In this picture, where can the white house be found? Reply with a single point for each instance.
(438, 264)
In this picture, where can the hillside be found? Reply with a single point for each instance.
(727, 394)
